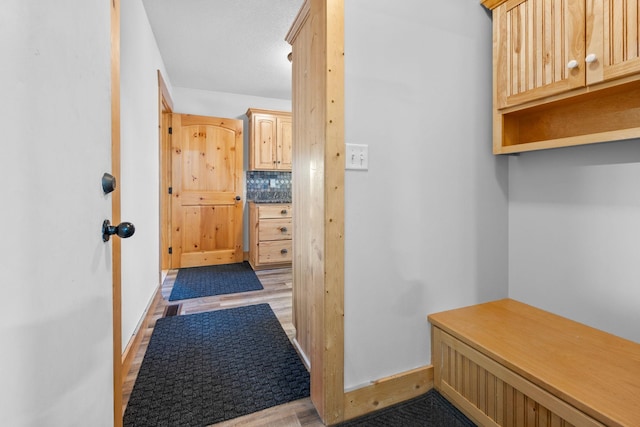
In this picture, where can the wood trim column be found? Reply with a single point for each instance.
(318, 199)
(333, 337)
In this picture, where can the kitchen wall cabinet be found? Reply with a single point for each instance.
(270, 139)
(270, 231)
(566, 72)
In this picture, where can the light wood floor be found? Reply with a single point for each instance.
(277, 293)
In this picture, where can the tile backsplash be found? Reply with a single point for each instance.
(260, 188)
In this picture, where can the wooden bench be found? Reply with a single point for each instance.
(506, 363)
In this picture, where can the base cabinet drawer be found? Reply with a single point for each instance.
(275, 229)
(274, 211)
(274, 252)
(270, 233)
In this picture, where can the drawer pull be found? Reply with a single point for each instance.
(283, 229)
(283, 211)
(284, 251)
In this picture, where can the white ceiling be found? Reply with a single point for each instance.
(226, 45)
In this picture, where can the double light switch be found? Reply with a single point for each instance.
(357, 157)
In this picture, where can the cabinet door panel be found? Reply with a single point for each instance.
(535, 41)
(285, 143)
(264, 135)
(612, 35)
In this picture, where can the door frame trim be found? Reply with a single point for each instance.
(116, 244)
(165, 106)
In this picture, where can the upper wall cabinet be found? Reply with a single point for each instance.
(566, 72)
(270, 139)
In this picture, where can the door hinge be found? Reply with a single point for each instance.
(170, 190)
(170, 250)
(170, 131)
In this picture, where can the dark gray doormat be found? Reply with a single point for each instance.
(205, 368)
(428, 410)
(196, 282)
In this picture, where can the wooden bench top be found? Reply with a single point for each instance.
(592, 370)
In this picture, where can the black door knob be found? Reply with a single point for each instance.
(108, 183)
(123, 230)
(238, 198)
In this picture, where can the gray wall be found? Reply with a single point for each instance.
(426, 225)
(574, 234)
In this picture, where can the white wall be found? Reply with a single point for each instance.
(574, 234)
(139, 180)
(56, 323)
(426, 225)
(229, 105)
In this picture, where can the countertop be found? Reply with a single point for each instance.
(274, 201)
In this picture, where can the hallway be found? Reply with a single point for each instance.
(277, 293)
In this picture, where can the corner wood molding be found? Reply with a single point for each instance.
(298, 22)
(492, 4)
(388, 391)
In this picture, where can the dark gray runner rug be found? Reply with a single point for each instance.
(428, 410)
(197, 282)
(205, 368)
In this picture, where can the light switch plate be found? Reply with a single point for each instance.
(357, 157)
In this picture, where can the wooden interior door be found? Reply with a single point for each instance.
(206, 220)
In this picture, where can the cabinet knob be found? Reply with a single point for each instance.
(283, 229)
(283, 211)
(572, 64)
(592, 57)
(284, 251)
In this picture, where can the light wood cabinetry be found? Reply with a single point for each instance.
(505, 363)
(566, 72)
(270, 234)
(270, 139)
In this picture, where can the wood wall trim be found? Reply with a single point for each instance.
(165, 96)
(333, 339)
(298, 22)
(115, 214)
(388, 391)
(133, 346)
(492, 4)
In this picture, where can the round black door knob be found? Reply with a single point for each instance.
(108, 183)
(123, 230)
(238, 198)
